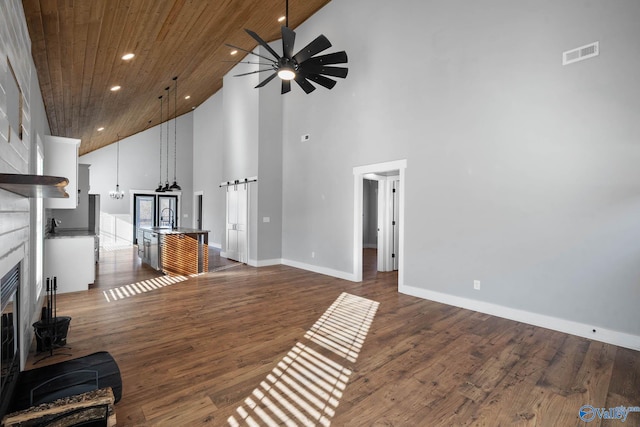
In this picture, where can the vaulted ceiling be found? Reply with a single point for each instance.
(77, 46)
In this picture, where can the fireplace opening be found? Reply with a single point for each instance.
(10, 350)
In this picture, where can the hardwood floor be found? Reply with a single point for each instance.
(243, 342)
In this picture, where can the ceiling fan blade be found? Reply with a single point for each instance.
(288, 39)
(322, 80)
(286, 86)
(330, 58)
(319, 44)
(329, 71)
(252, 72)
(267, 80)
(304, 84)
(270, 64)
(248, 51)
(263, 43)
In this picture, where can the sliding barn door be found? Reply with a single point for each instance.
(237, 201)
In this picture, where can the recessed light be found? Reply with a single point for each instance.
(128, 56)
(115, 88)
(187, 97)
(233, 52)
(282, 18)
(100, 129)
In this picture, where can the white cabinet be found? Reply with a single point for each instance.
(72, 261)
(61, 159)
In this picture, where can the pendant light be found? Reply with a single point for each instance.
(166, 184)
(117, 194)
(175, 186)
(160, 189)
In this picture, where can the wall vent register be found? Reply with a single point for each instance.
(581, 53)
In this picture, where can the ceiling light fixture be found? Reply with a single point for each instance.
(160, 189)
(166, 184)
(286, 72)
(115, 88)
(128, 56)
(187, 97)
(234, 52)
(117, 194)
(100, 129)
(282, 19)
(175, 186)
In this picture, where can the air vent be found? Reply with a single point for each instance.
(581, 53)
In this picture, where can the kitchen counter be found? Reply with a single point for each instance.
(70, 232)
(70, 255)
(178, 230)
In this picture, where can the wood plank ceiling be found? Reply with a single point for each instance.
(77, 47)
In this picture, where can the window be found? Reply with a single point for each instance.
(14, 104)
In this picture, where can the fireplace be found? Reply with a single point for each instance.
(10, 351)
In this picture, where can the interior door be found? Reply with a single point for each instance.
(236, 230)
(395, 224)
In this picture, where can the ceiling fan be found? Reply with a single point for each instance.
(303, 67)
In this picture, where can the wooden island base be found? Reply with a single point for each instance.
(184, 255)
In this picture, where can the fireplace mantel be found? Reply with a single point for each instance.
(34, 185)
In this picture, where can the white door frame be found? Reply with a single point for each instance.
(359, 173)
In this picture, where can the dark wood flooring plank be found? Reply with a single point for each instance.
(192, 352)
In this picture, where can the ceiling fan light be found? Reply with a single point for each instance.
(286, 73)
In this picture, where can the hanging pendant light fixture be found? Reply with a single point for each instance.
(166, 184)
(117, 194)
(160, 189)
(175, 186)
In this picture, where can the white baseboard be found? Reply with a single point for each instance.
(216, 245)
(265, 262)
(608, 336)
(321, 270)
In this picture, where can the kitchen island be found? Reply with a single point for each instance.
(174, 250)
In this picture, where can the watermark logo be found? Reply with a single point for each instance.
(588, 413)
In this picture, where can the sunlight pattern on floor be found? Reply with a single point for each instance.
(306, 386)
(141, 287)
(344, 326)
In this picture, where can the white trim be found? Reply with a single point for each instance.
(321, 270)
(265, 262)
(358, 176)
(608, 336)
(217, 246)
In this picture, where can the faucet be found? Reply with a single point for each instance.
(171, 217)
(54, 224)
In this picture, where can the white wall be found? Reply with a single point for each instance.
(140, 170)
(208, 146)
(17, 214)
(521, 173)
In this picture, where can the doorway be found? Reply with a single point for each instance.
(198, 197)
(237, 223)
(154, 210)
(380, 218)
(393, 175)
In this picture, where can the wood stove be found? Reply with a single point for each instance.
(10, 350)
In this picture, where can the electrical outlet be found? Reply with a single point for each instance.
(476, 285)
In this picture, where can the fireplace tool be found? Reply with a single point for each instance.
(51, 330)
